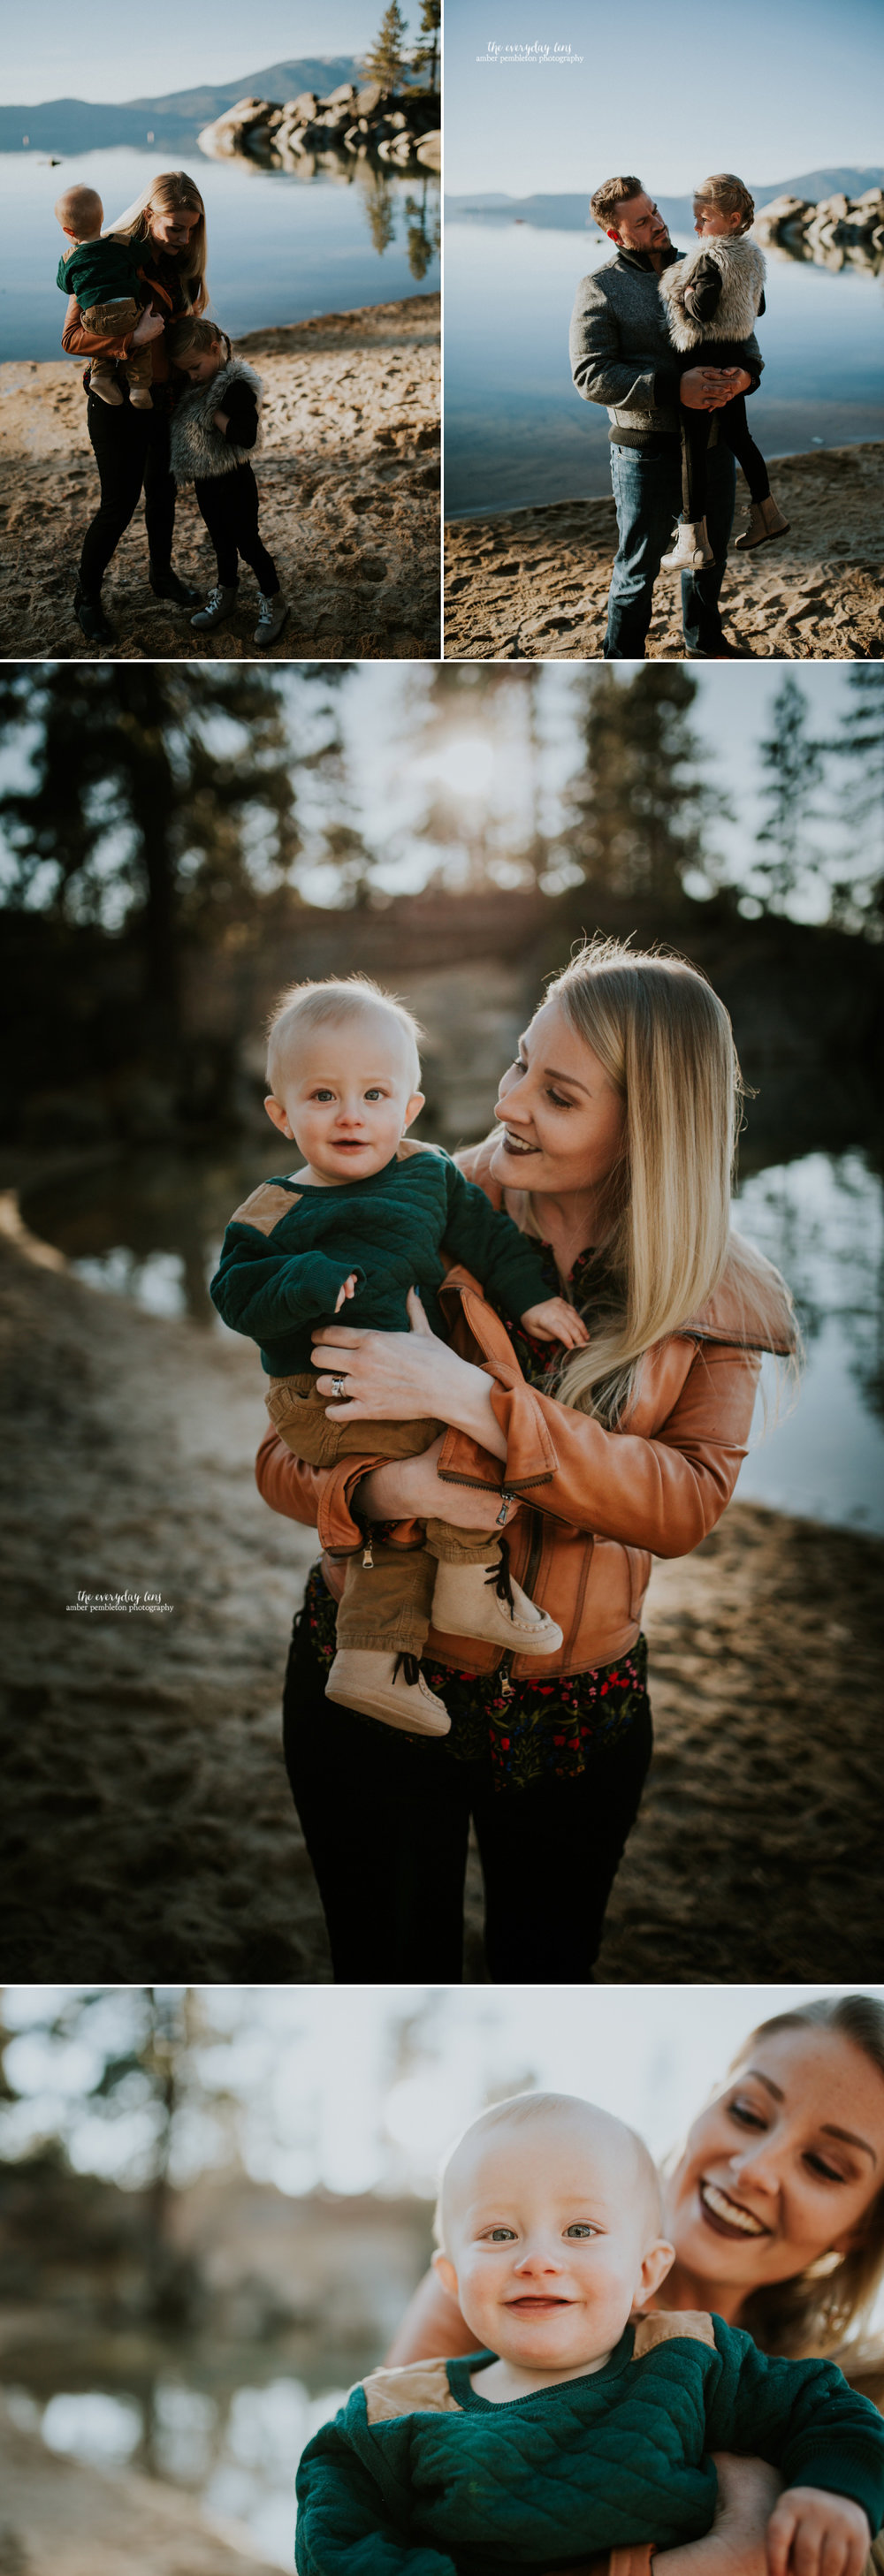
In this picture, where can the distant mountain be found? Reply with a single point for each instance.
(68, 125)
(571, 213)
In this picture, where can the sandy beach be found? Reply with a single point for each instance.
(533, 584)
(348, 473)
(148, 1830)
(62, 2518)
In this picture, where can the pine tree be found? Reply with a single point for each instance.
(793, 765)
(427, 57)
(149, 785)
(858, 899)
(387, 63)
(640, 803)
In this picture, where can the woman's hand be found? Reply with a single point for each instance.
(149, 328)
(411, 1489)
(401, 1377)
(737, 2543)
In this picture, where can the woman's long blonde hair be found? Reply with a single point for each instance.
(172, 193)
(825, 2311)
(666, 1044)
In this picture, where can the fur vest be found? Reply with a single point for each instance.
(742, 280)
(196, 446)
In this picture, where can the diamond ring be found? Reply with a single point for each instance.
(338, 1388)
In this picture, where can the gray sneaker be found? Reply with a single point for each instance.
(218, 606)
(272, 614)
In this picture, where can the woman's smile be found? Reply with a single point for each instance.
(728, 2217)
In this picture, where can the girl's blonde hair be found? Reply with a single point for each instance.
(730, 194)
(666, 1044)
(172, 193)
(192, 332)
(819, 2311)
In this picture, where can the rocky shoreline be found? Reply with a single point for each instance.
(400, 127)
(533, 584)
(834, 232)
(348, 473)
(62, 2518)
(149, 1830)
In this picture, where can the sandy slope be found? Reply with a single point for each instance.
(533, 584)
(60, 2518)
(348, 474)
(149, 1831)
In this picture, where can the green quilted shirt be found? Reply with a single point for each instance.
(288, 1250)
(419, 2475)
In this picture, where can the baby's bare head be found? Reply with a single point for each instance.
(546, 2136)
(80, 211)
(340, 1003)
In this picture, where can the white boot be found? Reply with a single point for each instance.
(272, 614)
(391, 1687)
(483, 1601)
(217, 608)
(691, 549)
(764, 521)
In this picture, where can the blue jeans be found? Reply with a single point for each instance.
(647, 492)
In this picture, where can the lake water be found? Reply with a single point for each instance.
(151, 1229)
(516, 433)
(281, 248)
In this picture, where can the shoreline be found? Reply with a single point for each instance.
(813, 595)
(151, 1832)
(63, 2517)
(348, 475)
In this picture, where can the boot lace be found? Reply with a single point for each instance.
(409, 1666)
(498, 1576)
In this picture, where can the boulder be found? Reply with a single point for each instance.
(429, 152)
(343, 96)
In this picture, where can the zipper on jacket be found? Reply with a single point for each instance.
(505, 1667)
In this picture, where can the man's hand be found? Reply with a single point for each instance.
(706, 388)
(553, 1320)
(811, 2533)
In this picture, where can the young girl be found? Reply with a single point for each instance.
(214, 429)
(713, 297)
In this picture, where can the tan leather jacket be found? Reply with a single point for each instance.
(599, 1505)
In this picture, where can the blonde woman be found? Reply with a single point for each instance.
(775, 2207)
(614, 1147)
(167, 229)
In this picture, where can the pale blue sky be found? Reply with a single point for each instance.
(769, 89)
(105, 52)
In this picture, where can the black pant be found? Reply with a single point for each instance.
(229, 505)
(733, 427)
(386, 1821)
(131, 449)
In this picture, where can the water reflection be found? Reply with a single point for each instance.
(235, 2452)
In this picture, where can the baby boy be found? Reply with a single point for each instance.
(103, 275)
(578, 2427)
(362, 1222)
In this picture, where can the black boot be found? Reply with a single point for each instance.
(166, 585)
(91, 618)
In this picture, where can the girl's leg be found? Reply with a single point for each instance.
(734, 428)
(550, 1855)
(694, 445)
(245, 502)
(214, 507)
(386, 1821)
(120, 440)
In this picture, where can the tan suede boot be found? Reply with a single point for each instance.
(483, 1601)
(391, 1687)
(764, 521)
(691, 549)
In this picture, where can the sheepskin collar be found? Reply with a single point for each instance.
(742, 279)
(196, 446)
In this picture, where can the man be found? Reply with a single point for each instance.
(621, 355)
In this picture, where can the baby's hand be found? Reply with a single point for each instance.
(555, 1321)
(348, 1290)
(811, 2533)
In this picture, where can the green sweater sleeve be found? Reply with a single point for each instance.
(486, 1240)
(802, 2416)
(265, 1294)
(347, 2525)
